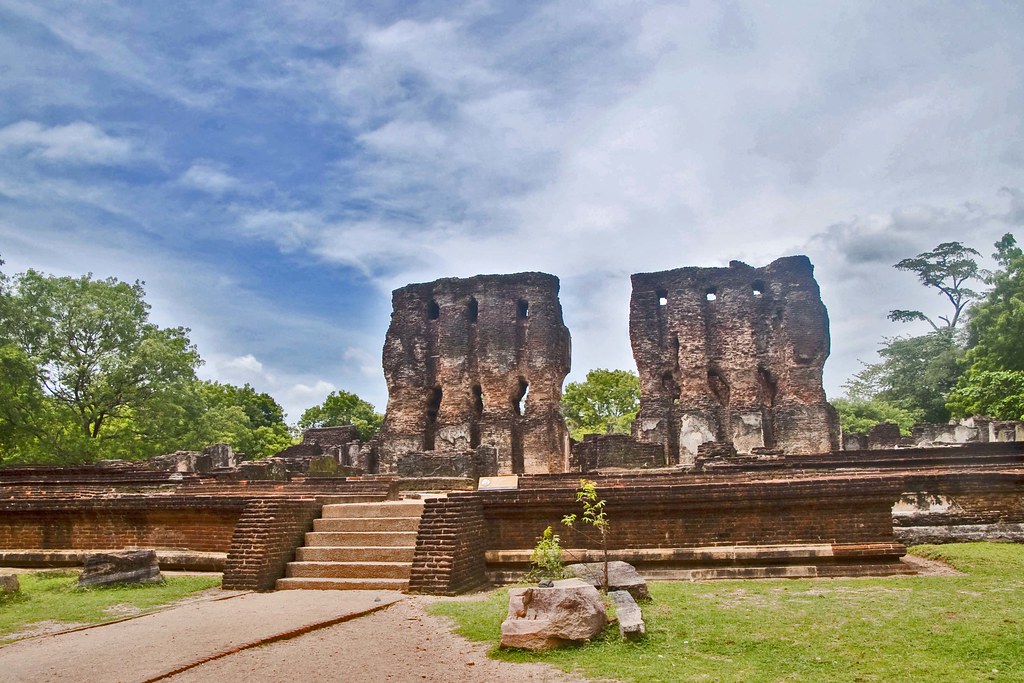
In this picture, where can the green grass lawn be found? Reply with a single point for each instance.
(941, 628)
(53, 596)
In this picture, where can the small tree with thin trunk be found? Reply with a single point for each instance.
(594, 516)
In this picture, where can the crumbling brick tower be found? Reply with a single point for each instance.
(478, 362)
(732, 355)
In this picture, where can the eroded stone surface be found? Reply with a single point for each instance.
(545, 618)
(631, 620)
(477, 361)
(621, 576)
(128, 566)
(732, 355)
(9, 583)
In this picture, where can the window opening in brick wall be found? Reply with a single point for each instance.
(711, 294)
(757, 289)
(433, 408)
(474, 310)
(662, 297)
(433, 310)
(522, 309)
(519, 400)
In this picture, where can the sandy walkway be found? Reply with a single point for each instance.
(154, 644)
(400, 643)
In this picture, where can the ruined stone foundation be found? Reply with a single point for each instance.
(732, 355)
(477, 363)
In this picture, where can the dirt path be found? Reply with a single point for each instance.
(400, 643)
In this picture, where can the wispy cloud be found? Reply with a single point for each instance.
(209, 177)
(78, 142)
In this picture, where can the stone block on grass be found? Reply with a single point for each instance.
(571, 611)
(127, 566)
(631, 620)
(9, 584)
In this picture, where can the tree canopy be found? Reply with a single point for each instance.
(606, 402)
(951, 371)
(993, 384)
(342, 408)
(87, 376)
(947, 268)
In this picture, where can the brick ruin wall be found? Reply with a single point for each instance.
(477, 362)
(732, 355)
(776, 520)
(256, 524)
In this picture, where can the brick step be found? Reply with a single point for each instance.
(391, 539)
(349, 570)
(343, 584)
(413, 508)
(355, 554)
(367, 524)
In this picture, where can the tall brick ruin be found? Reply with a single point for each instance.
(477, 364)
(732, 355)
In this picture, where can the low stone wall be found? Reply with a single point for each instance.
(450, 546)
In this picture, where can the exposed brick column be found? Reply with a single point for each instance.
(265, 539)
(450, 546)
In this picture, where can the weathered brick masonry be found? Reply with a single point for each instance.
(450, 546)
(265, 539)
(256, 524)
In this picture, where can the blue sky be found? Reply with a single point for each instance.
(273, 170)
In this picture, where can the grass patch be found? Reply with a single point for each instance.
(53, 596)
(962, 628)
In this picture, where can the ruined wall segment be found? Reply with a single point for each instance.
(732, 355)
(477, 362)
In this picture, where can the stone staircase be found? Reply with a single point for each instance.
(357, 546)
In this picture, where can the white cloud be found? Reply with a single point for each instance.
(209, 177)
(77, 142)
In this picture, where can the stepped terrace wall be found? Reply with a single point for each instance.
(250, 529)
(814, 527)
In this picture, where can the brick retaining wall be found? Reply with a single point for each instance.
(265, 539)
(450, 546)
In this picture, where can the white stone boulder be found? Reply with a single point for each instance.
(571, 611)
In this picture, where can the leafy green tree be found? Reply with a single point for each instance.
(993, 384)
(96, 353)
(343, 408)
(915, 375)
(997, 321)
(606, 402)
(947, 268)
(993, 393)
(860, 415)
(96, 359)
